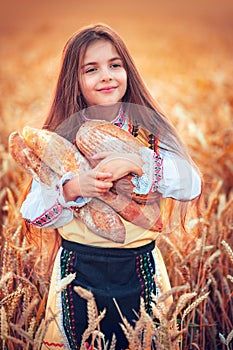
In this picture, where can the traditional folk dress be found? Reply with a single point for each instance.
(117, 274)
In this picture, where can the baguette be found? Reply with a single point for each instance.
(146, 216)
(102, 220)
(55, 151)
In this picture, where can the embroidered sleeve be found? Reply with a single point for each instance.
(152, 172)
(51, 214)
(169, 174)
(46, 206)
(180, 180)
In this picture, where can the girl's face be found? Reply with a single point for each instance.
(103, 78)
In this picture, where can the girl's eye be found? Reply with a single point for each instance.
(116, 65)
(90, 70)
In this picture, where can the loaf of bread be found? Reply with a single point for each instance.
(99, 136)
(147, 216)
(98, 216)
(55, 151)
(28, 159)
(102, 220)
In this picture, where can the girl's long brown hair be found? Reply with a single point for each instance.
(68, 99)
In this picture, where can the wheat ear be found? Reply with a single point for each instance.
(182, 301)
(228, 250)
(93, 318)
(4, 324)
(229, 337)
(194, 305)
(230, 278)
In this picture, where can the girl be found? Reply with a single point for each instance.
(98, 80)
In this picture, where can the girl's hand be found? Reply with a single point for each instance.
(91, 183)
(119, 164)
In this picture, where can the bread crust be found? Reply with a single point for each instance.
(30, 161)
(55, 151)
(102, 220)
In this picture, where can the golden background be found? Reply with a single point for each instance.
(184, 51)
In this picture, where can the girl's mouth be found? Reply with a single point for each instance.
(107, 89)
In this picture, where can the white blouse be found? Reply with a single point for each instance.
(167, 173)
(46, 206)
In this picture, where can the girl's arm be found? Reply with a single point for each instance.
(46, 206)
(53, 206)
(167, 173)
(180, 180)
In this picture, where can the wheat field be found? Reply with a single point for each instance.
(185, 56)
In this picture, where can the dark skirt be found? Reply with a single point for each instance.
(121, 274)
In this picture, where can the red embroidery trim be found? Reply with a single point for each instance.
(60, 345)
(49, 215)
(158, 172)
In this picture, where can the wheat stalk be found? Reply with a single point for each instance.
(13, 306)
(194, 305)
(93, 318)
(26, 281)
(210, 260)
(170, 292)
(15, 341)
(228, 250)
(5, 278)
(143, 328)
(41, 309)
(31, 327)
(15, 237)
(4, 324)
(229, 337)
(27, 311)
(113, 343)
(184, 273)
(126, 326)
(128, 331)
(10, 297)
(84, 293)
(26, 300)
(230, 278)
(173, 246)
(160, 311)
(226, 288)
(21, 332)
(65, 281)
(182, 301)
(92, 325)
(213, 201)
(6, 259)
(40, 333)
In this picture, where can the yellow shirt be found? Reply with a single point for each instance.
(76, 231)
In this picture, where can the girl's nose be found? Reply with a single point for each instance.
(105, 75)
